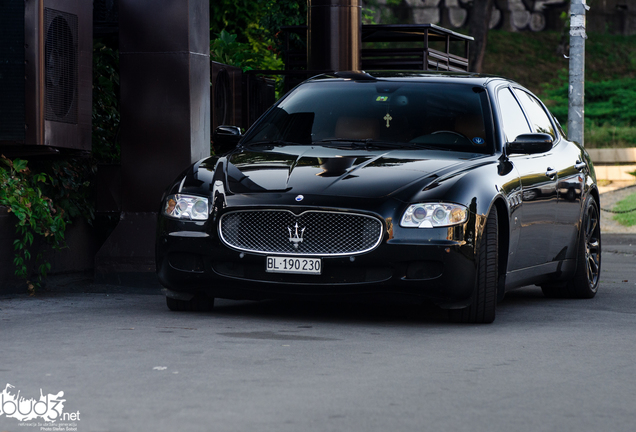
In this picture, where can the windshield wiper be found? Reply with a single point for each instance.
(369, 143)
(353, 142)
(270, 144)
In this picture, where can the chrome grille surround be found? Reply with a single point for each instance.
(326, 233)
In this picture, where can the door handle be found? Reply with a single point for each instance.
(551, 172)
(580, 165)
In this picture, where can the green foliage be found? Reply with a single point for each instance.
(533, 59)
(248, 56)
(256, 20)
(252, 39)
(605, 102)
(610, 67)
(106, 116)
(609, 136)
(276, 14)
(226, 49)
(627, 219)
(69, 185)
(386, 12)
(368, 16)
(36, 216)
(609, 57)
(247, 33)
(265, 55)
(610, 111)
(44, 199)
(233, 16)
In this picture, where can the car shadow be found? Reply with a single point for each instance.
(368, 311)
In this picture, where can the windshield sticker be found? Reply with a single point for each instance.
(388, 118)
(478, 141)
(382, 99)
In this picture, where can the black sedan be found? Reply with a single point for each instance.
(444, 187)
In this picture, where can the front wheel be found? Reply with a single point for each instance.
(584, 284)
(484, 303)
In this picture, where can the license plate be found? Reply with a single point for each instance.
(277, 264)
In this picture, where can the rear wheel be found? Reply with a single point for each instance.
(482, 308)
(196, 304)
(584, 284)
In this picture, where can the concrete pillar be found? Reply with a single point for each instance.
(333, 35)
(165, 120)
(165, 87)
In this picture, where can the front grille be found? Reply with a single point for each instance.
(310, 233)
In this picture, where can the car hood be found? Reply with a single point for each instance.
(336, 171)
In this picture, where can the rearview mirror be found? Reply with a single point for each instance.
(530, 144)
(225, 138)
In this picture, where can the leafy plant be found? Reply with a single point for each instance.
(257, 20)
(368, 16)
(247, 56)
(36, 216)
(45, 199)
(69, 186)
(247, 33)
(106, 115)
(276, 14)
(226, 49)
(233, 16)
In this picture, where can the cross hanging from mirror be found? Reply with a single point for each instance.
(388, 118)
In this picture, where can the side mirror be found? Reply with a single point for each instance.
(225, 138)
(530, 144)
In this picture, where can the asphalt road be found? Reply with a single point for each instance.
(126, 363)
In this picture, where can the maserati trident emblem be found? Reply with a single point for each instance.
(294, 236)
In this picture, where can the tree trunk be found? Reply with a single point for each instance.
(478, 26)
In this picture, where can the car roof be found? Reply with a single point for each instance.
(411, 76)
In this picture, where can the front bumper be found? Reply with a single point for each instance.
(435, 264)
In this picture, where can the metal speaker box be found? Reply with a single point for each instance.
(45, 75)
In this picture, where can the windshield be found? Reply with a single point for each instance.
(379, 113)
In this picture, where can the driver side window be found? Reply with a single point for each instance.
(514, 121)
(538, 117)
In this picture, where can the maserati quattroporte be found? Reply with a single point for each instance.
(449, 187)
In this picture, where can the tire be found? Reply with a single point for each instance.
(584, 283)
(197, 304)
(484, 303)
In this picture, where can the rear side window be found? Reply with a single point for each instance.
(514, 121)
(539, 119)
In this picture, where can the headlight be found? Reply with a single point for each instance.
(433, 215)
(186, 207)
